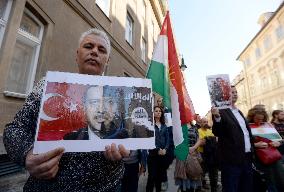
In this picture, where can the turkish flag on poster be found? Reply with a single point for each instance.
(62, 111)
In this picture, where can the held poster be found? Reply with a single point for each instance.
(219, 88)
(84, 113)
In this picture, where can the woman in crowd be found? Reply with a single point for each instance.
(185, 182)
(157, 162)
(278, 121)
(273, 173)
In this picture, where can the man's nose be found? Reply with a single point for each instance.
(103, 106)
(94, 51)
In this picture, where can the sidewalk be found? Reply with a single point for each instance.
(171, 182)
(15, 182)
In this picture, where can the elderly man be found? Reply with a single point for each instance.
(55, 170)
(234, 147)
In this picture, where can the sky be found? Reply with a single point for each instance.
(211, 34)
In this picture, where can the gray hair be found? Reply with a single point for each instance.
(99, 33)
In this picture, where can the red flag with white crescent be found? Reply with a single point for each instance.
(62, 111)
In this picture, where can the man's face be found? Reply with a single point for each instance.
(281, 117)
(92, 55)
(234, 94)
(204, 123)
(198, 119)
(99, 109)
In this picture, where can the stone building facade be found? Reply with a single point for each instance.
(262, 78)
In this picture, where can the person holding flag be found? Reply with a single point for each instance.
(274, 172)
(168, 82)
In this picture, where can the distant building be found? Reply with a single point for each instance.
(262, 79)
(242, 101)
(39, 35)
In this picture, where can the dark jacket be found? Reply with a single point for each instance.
(231, 144)
(161, 139)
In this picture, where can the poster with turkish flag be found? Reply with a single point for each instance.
(219, 88)
(85, 113)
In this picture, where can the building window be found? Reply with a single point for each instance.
(267, 43)
(129, 29)
(144, 11)
(143, 50)
(25, 56)
(247, 61)
(279, 32)
(252, 85)
(153, 33)
(5, 7)
(104, 5)
(257, 53)
(264, 82)
(275, 78)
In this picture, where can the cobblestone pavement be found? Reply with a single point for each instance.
(171, 183)
(15, 182)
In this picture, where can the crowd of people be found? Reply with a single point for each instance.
(227, 145)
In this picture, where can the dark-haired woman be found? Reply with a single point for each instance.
(156, 159)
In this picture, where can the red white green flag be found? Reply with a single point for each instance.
(168, 82)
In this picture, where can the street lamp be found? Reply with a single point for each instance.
(182, 66)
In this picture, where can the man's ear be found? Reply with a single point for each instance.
(105, 66)
(108, 61)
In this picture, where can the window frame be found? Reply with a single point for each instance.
(144, 10)
(4, 20)
(257, 53)
(35, 42)
(279, 31)
(129, 29)
(247, 61)
(105, 10)
(267, 43)
(143, 49)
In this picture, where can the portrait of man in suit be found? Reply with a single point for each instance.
(100, 111)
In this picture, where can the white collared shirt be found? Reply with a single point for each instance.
(92, 135)
(243, 127)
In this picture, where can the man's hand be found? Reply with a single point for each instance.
(192, 150)
(44, 165)
(215, 112)
(115, 154)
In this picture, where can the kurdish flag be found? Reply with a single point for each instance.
(168, 82)
(265, 130)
